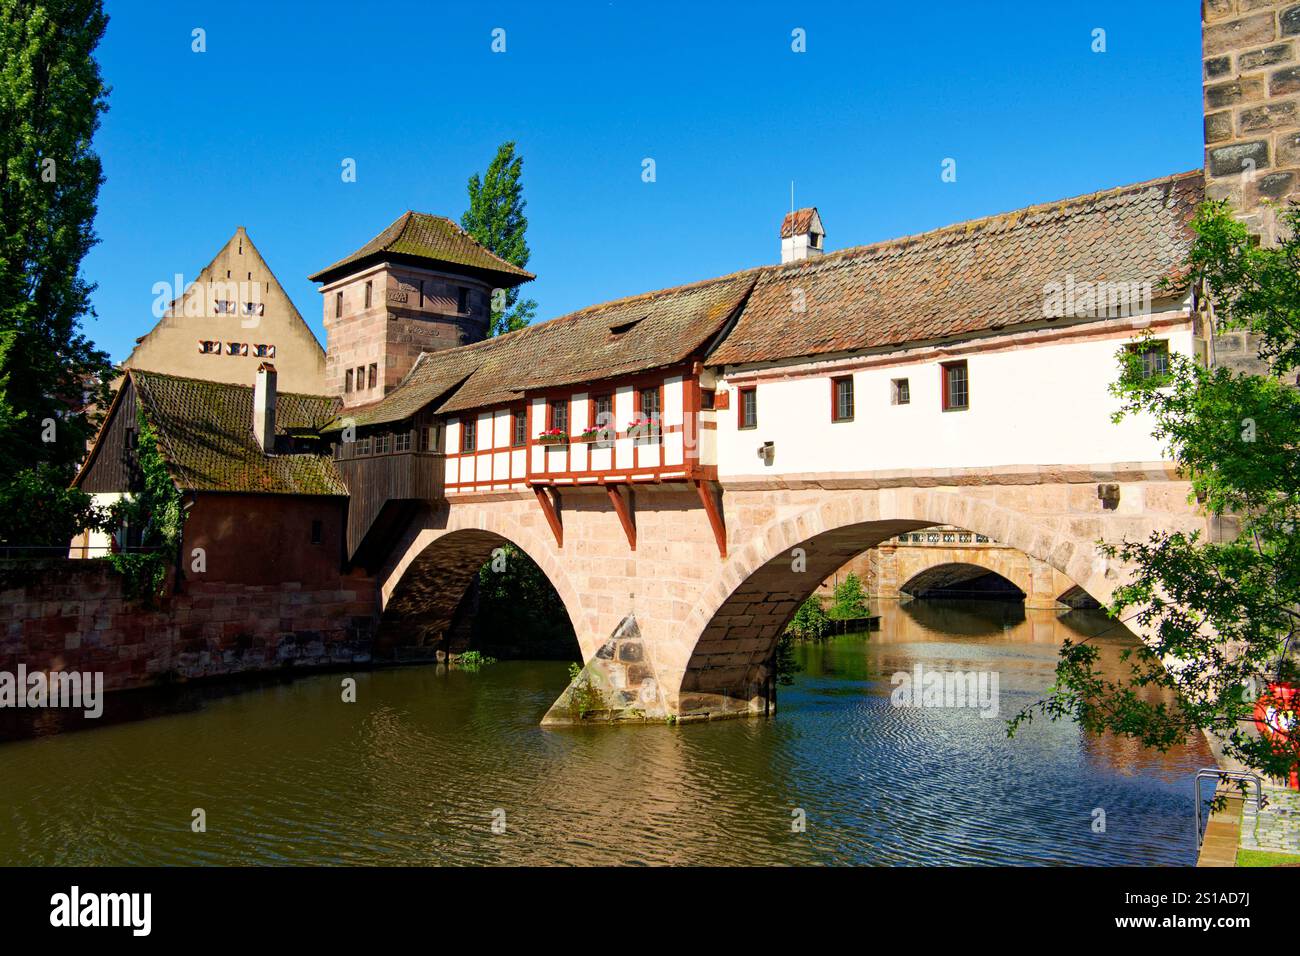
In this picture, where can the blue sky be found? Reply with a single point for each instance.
(253, 131)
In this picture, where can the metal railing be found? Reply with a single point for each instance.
(1216, 774)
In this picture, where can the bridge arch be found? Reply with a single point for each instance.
(422, 585)
(742, 613)
(946, 575)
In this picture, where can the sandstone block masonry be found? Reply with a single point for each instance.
(1252, 124)
(72, 615)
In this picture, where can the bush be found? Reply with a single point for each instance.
(810, 621)
(850, 599)
(38, 508)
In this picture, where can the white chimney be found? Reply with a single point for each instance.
(264, 407)
(802, 235)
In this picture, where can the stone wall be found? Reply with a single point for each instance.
(72, 615)
(1252, 124)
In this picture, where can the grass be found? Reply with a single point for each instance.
(1266, 858)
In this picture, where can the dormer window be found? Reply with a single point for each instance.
(624, 326)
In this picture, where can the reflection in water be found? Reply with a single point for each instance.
(413, 772)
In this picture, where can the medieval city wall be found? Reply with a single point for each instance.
(73, 615)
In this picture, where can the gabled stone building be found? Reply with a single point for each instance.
(227, 322)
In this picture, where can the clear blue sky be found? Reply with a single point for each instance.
(253, 131)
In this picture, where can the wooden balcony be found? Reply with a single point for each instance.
(382, 487)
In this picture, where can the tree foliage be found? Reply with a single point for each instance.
(850, 599)
(51, 375)
(496, 219)
(158, 512)
(810, 621)
(1220, 613)
(516, 598)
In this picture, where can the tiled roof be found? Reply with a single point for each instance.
(798, 222)
(972, 277)
(615, 338)
(205, 432)
(437, 238)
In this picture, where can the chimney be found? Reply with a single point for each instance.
(264, 407)
(802, 235)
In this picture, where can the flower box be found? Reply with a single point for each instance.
(553, 437)
(644, 431)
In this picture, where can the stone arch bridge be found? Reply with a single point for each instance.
(677, 617)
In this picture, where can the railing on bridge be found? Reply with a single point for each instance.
(944, 536)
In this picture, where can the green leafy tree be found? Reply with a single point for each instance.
(51, 98)
(850, 600)
(516, 599)
(810, 621)
(496, 219)
(1221, 613)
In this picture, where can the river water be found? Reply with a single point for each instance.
(452, 768)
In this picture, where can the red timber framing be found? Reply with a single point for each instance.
(484, 454)
(659, 471)
(623, 508)
(551, 509)
(547, 485)
(713, 508)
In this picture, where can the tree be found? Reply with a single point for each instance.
(495, 218)
(850, 600)
(1220, 615)
(51, 98)
(810, 621)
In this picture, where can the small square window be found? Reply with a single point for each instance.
(900, 392)
(559, 415)
(842, 399)
(748, 408)
(707, 397)
(519, 427)
(1153, 357)
(402, 441)
(956, 386)
(648, 403)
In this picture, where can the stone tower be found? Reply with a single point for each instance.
(1252, 122)
(421, 285)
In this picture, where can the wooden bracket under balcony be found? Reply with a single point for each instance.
(623, 507)
(551, 508)
(713, 508)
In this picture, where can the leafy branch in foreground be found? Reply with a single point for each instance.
(1219, 616)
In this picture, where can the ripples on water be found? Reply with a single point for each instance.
(412, 773)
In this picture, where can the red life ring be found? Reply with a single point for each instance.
(1276, 718)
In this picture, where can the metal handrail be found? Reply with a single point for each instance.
(1218, 774)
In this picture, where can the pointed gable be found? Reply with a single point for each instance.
(213, 331)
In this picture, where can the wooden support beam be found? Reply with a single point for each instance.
(713, 508)
(552, 512)
(623, 508)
